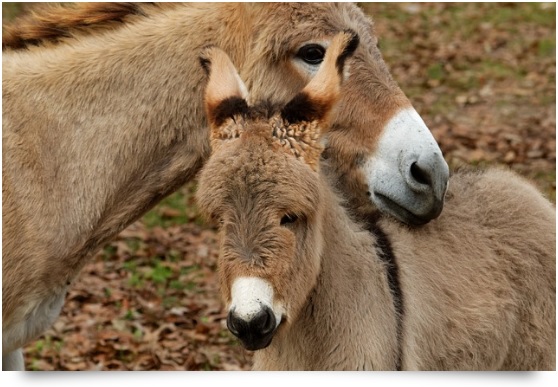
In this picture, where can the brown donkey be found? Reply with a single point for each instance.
(102, 118)
(310, 288)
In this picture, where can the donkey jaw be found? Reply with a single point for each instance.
(408, 176)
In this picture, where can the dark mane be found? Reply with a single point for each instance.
(232, 106)
(265, 109)
(53, 22)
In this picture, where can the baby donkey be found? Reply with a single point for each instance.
(310, 288)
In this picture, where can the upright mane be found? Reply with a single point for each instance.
(53, 22)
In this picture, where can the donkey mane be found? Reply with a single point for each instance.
(52, 23)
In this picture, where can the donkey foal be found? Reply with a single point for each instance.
(310, 289)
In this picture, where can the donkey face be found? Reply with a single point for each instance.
(378, 146)
(269, 231)
(262, 185)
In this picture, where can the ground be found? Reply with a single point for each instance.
(482, 76)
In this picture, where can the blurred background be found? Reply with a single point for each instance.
(482, 76)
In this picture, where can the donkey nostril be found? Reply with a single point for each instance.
(265, 321)
(419, 175)
(234, 324)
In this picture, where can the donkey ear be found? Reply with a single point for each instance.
(225, 93)
(316, 100)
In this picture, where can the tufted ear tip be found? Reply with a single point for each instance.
(225, 94)
(350, 43)
(205, 64)
(205, 58)
(353, 41)
(224, 80)
(227, 108)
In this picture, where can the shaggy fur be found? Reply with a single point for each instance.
(478, 283)
(102, 117)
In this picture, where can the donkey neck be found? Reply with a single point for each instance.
(113, 123)
(349, 319)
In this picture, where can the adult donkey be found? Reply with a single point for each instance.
(102, 118)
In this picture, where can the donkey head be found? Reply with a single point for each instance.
(378, 147)
(262, 184)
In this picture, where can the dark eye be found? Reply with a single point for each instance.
(288, 219)
(312, 54)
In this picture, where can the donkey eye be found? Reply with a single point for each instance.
(311, 53)
(288, 219)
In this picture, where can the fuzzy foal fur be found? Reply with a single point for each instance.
(478, 283)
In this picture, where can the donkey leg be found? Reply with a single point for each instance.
(13, 361)
(43, 312)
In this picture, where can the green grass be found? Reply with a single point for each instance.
(134, 244)
(41, 346)
(164, 276)
(498, 16)
(11, 10)
(533, 13)
(189, 269)
(160, 273)
(546, 180)
(179, 285)
(137, 334)
(108, 252)
(170, 302)
(176, 209)
(107, 292)
(136, 280)
(546, 48)
(159, 217)
(130, 266)
(129, 315)
(436, 71)
(492, 69)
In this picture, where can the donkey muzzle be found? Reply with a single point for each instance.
(257, 332)
(407, 176)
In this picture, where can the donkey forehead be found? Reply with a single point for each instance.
(301, 140)
(256, 169)
(311, 22)
(319, 18)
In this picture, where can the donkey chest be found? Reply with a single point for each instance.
(350, 343)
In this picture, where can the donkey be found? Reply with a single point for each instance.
(310, 287)
(103, 117)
